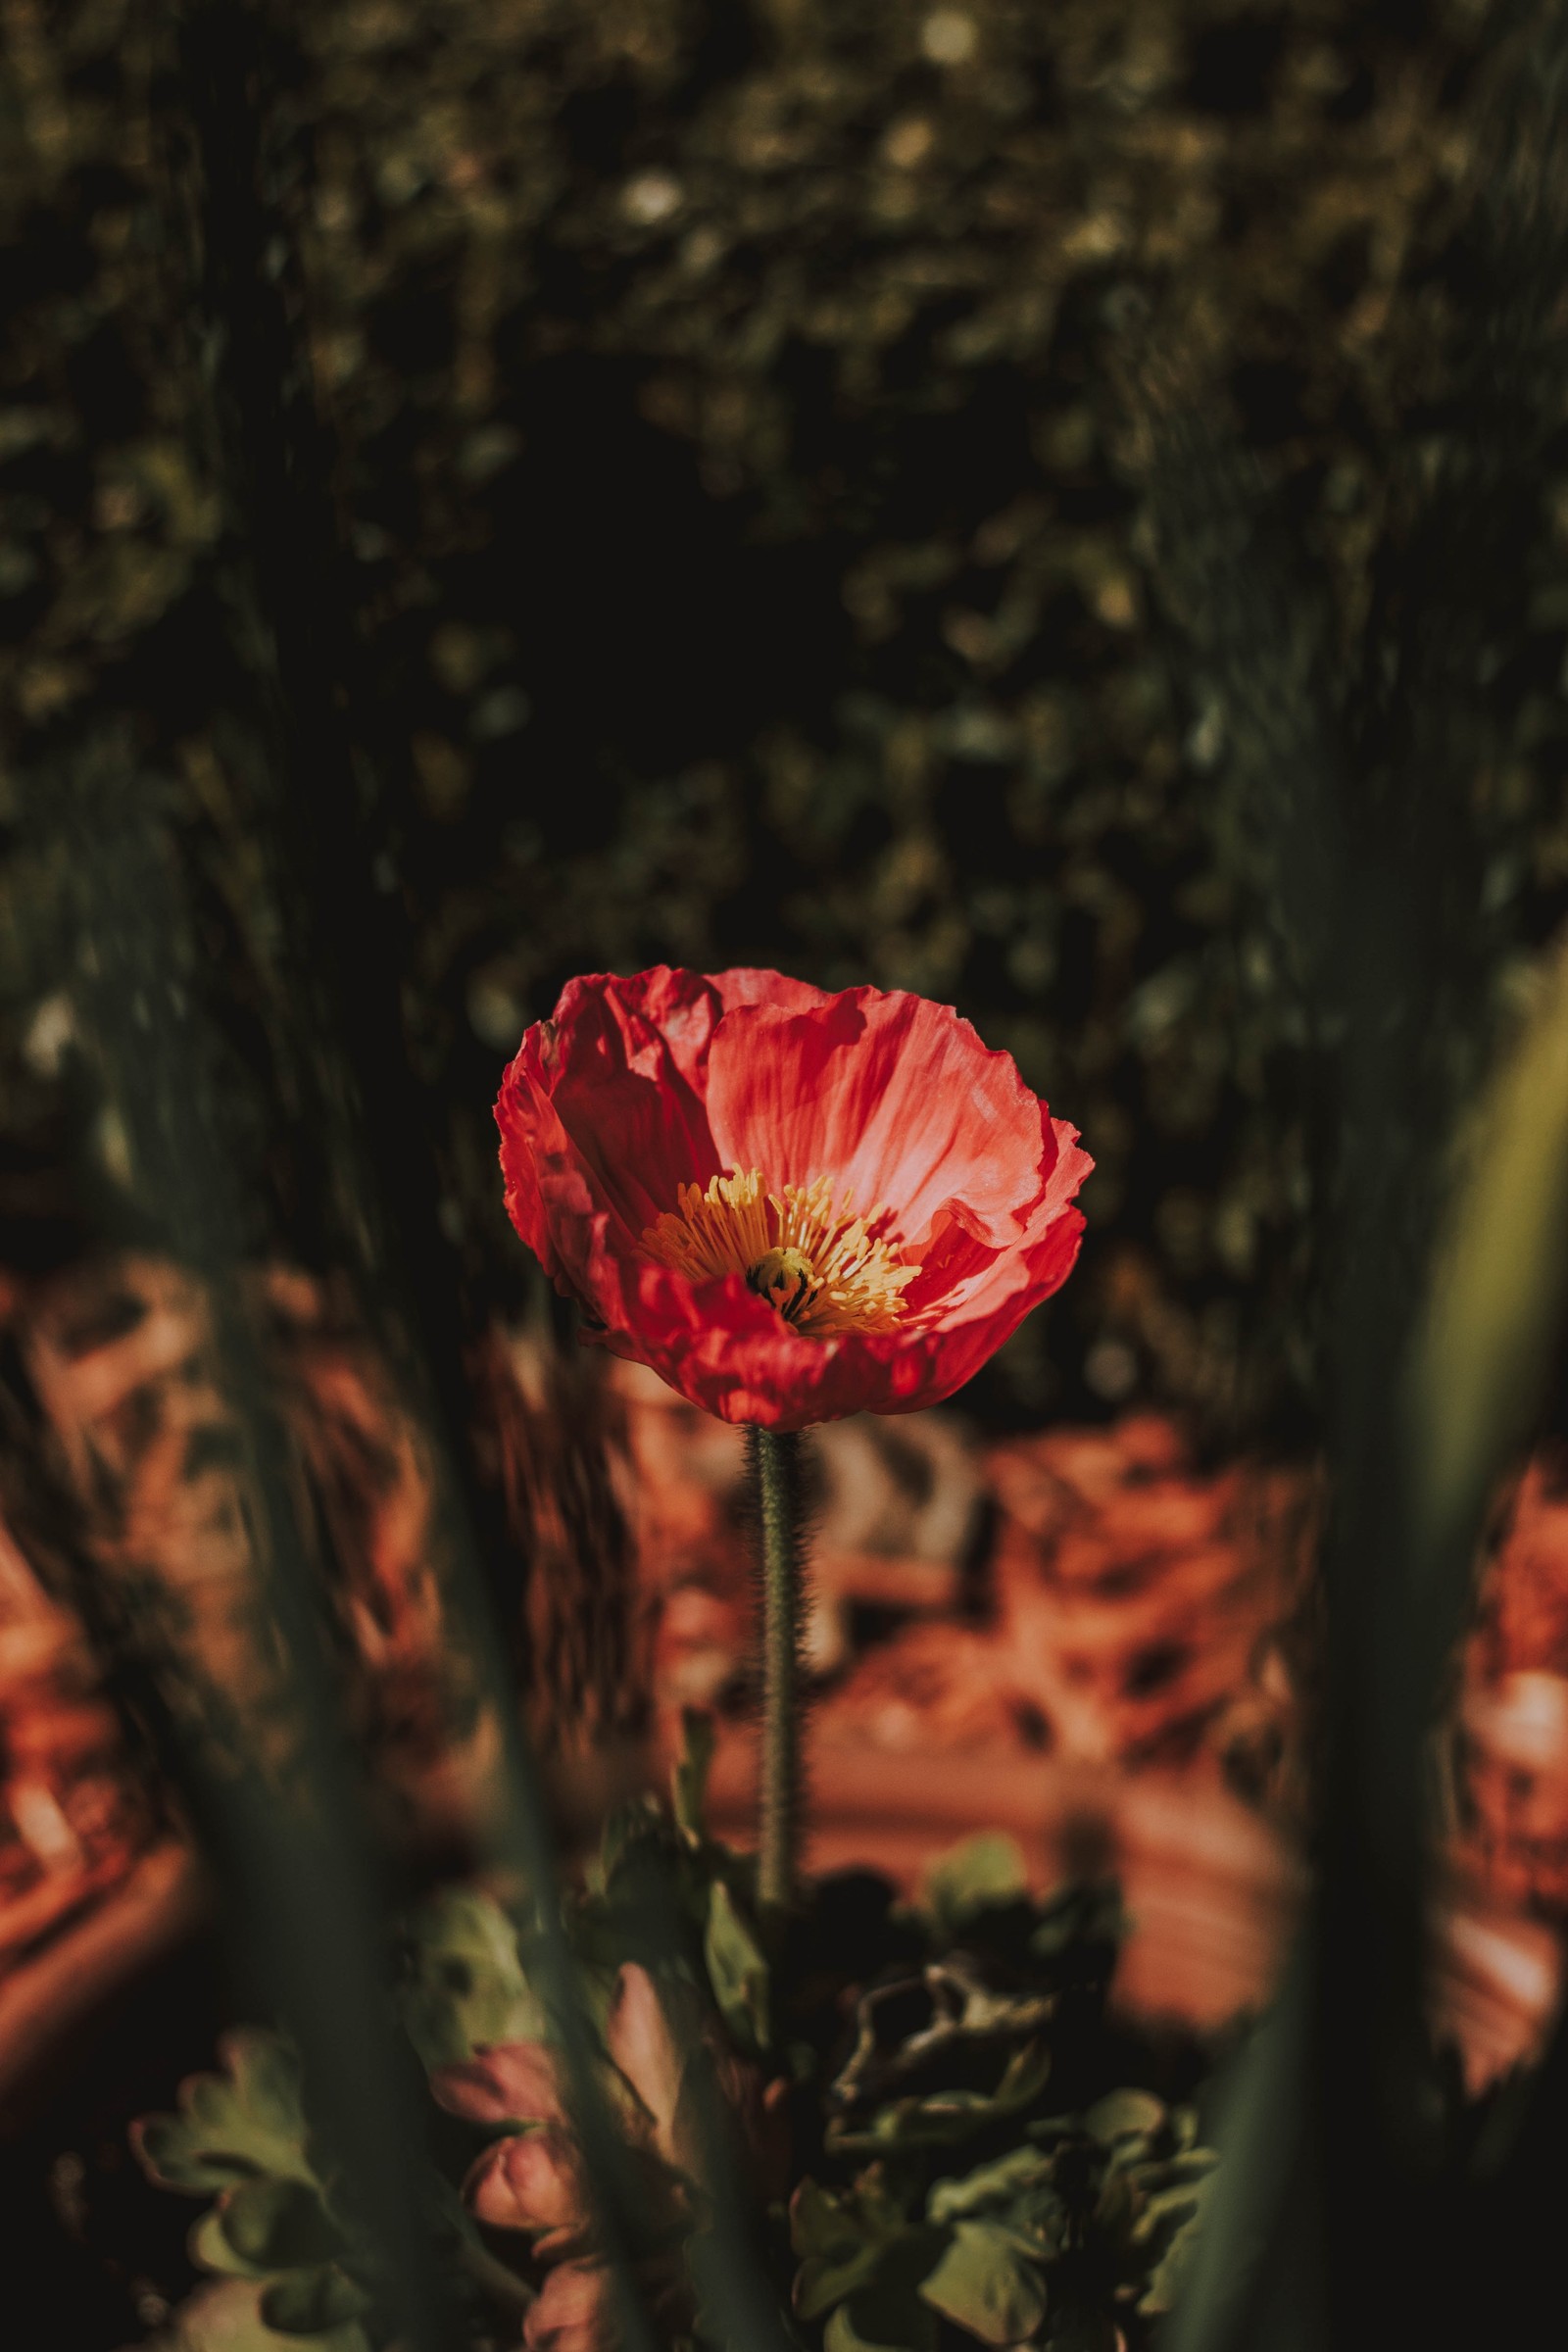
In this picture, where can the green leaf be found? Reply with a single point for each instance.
(226, 2317)
(1050, 2130)
(630, 1829)
(867, 2326)
(234, 2126)
(262, 2226)
(1165, 2227)
(841, 2238)
(887, 2316)
(312, 2302)
(736, 1970)
(464, 1982)
(1180, 2206)
(1015, 2195)
(1159, 2175)
(274, 2224)
(1080, 1916)
(1124, 2115)
(948, 2015)
(982, 1871)
(210, 2250)
(689, 1781)
(1164, 2285)
(650, 1878)
(822, 2221)
(819, 2286)
(944, 2118)
(995, 2183)
(1144, 2198)
(983, 2284)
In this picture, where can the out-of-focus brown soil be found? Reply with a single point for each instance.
(1081, 1639)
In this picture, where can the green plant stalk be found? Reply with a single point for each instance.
(775, 1457)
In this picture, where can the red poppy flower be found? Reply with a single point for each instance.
(792, 1205)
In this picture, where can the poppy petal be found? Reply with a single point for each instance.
(895, 1096)
(642, 1086)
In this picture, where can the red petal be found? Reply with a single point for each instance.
(892, 1098)
(547, 1192)
(622, 1068)
(752, 984)
(510, 2083)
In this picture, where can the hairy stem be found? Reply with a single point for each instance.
(776, 1472)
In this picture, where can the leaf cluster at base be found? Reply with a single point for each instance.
(961, 2200)
(969, 2163)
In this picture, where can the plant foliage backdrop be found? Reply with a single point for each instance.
(693, 439)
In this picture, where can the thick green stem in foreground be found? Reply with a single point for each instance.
(776, 1471)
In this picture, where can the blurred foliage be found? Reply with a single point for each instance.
(745, 534)
(928, 2100)
(244, 2133)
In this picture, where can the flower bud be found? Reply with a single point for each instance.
(530, 2181)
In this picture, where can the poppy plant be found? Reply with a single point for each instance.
(792, 1206)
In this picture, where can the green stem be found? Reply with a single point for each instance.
(776, 1471)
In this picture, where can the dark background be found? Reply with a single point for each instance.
(497, 488)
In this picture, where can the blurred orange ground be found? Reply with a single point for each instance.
(1077, 1638)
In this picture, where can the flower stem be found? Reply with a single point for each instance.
(776, 1472)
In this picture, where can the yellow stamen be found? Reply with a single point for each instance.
(810, 1256)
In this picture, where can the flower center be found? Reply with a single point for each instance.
(819, 1266)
